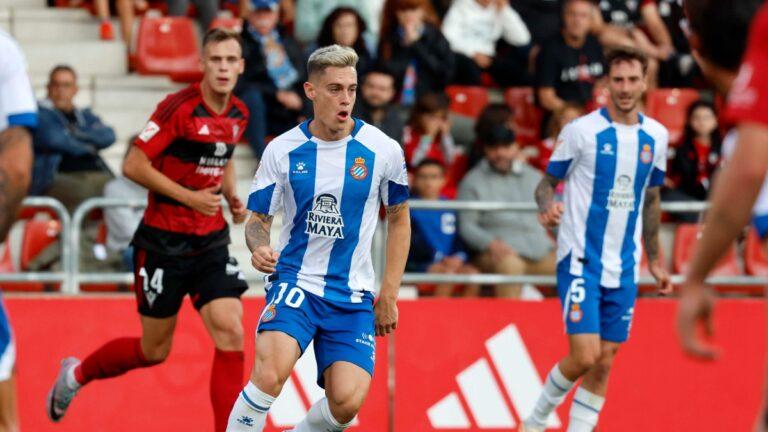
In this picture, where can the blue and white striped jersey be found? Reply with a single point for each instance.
(17, 101)
(606, 167)
(330, 193)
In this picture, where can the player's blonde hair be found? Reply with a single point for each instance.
(331, 56)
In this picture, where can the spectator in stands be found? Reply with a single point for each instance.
(569, 64)
(311, 14)
(435, 243)
(345, 27)
(538, 156)
(122, 222)
(506, 242)
(66, 143)
(619, 22)
(412, 45)
(206, 10)
(494, 116)
(375, 103)
(272, 84)
(428, 136)
(542, 17)
(473, 28)
(695, 159)
(681, 69)
(125, 11)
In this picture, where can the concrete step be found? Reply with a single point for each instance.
(39, 4)
(5, 20)
(132, 92)
(45, 30)
(88, 57)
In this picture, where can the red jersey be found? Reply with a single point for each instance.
(190, 144)
(748, 99)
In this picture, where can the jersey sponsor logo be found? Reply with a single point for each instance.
(607, 149)
(221, 149)
(484, 397)
(359, 171)
(150, 130)
(324, 220)
(300, 168)
(204, 130)
(645, 155)
(622, 196)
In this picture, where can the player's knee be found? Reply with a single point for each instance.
(229, 336)
(345, 405)
(586, 359)
(158, 352)
(268, 380)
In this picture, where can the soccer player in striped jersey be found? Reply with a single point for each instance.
(736, 66)
(329, 176)
(613, 162)
(18, 115)
(183, 157)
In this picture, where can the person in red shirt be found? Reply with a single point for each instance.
(183, 157)
(718, 37)
(694, 160)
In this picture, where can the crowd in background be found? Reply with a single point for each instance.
(410, 51)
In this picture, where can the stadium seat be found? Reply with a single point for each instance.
(669, 106)
(755, 261)
(234, 24)
(13, 253)
(38, 235)
(528, 116)
(168, 46)
(467, 101)
(686, 237)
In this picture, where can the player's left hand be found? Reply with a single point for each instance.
(238, 209)
(385, 312)
(695, 306)
(663, 282)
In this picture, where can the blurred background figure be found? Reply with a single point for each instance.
(473, 28)
(435, 243)
(344, 26)
(374, 104)
(412, 45)
(272, 84)
(505, 242)
(428, 136)
(67, 143)
(695, 159)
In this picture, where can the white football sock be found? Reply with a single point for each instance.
(585, 411)
(250, 411)
(320, 419)
(555, 388)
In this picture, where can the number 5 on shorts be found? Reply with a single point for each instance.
(294, 298)
(578, 293)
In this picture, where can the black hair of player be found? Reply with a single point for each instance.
(431, 162)
(217, 35)
(62, 68)
(722, 29)
(625, 54)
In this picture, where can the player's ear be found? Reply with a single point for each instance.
(309, 90)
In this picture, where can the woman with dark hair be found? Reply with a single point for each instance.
(413, 47)
(344, 26)
(693, 162)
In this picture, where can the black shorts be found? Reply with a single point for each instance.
(162, 281)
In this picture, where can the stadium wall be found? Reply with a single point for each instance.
(472, 365)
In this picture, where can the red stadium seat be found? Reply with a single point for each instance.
(168, 46)
(38, 235)
(467, 101)
(234, 24)
(528, 116)
(18, 250)
(686, 237)
(755, 261)
(669, 106)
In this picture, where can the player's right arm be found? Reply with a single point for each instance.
(156, 137)
(560, 166)
(264, 201)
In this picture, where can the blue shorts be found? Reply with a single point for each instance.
(7, 345)
(589, 308)
(760, 223)
(341, 332)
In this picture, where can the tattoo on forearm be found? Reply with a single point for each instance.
(12, 188)
(395, 209)
(257, 230)
(545, 191)
(651, 223)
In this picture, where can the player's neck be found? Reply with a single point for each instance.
(629, 118)
(216, 101)
(321, 131)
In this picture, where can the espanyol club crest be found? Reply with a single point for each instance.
(359, 171)
(576, 313)
(269, 314)
(645, 154)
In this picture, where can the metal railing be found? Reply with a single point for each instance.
(72, 232)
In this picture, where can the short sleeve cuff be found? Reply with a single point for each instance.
(397, 193)
(657, 177)
(23, 119)
(260, 201)
(558, 169)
